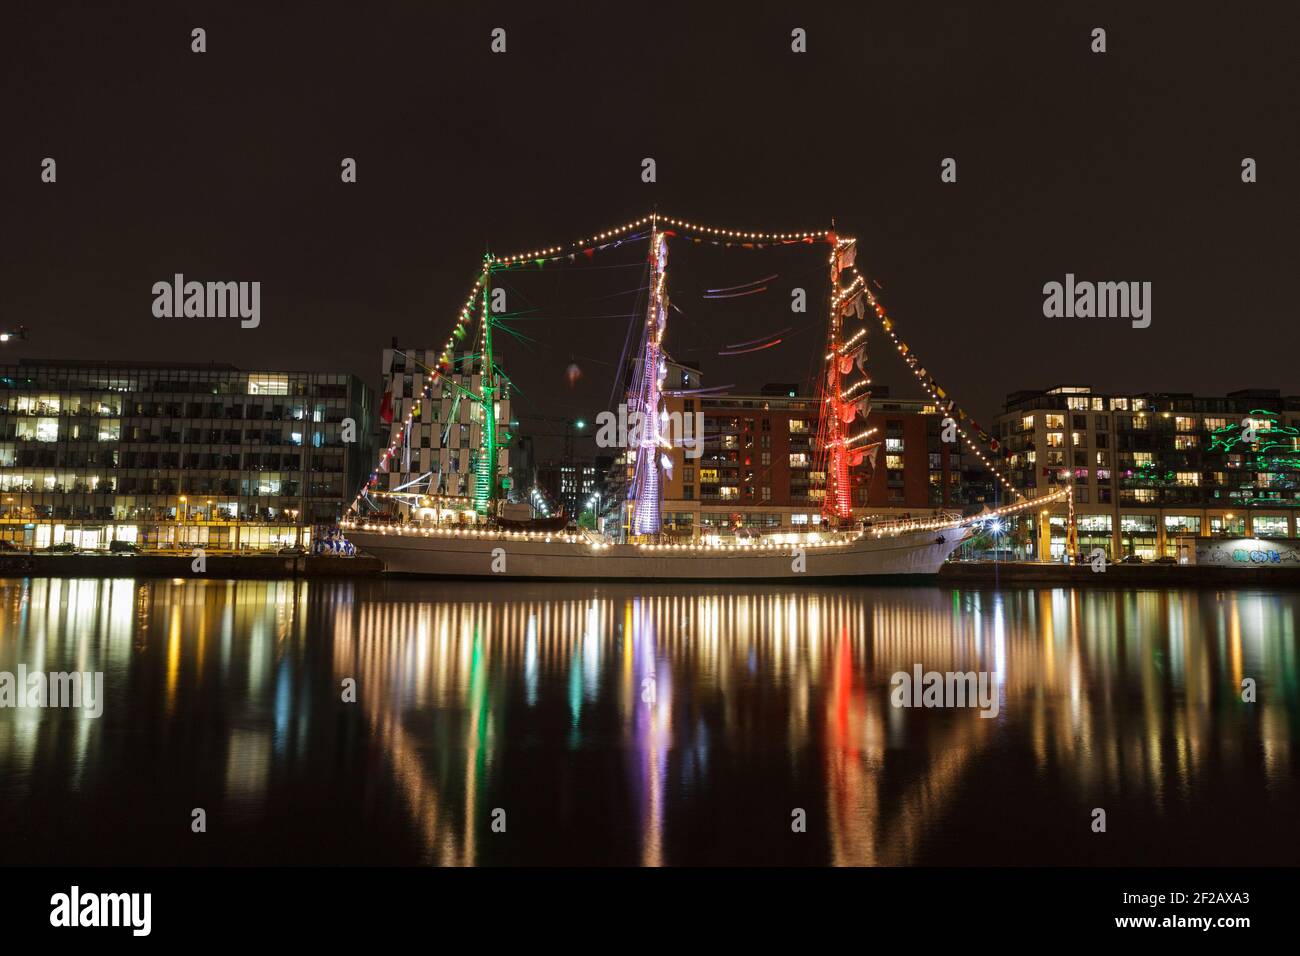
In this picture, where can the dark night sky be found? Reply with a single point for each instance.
(1123, 166)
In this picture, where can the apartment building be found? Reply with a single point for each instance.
(438, 459)
(1149, 468)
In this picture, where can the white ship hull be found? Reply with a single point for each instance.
(442, 554)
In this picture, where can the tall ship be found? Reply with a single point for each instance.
(499, 543)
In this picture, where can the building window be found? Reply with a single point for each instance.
(268, 385)
(1227, 525)
(1268, 526)
(1182, 524)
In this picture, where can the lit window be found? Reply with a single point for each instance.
(268, 384)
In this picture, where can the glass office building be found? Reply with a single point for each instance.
(177, 455)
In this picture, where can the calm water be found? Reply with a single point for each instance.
(472, 697)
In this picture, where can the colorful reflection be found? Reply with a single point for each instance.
(673, 726)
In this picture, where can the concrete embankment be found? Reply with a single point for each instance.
(1028, 574)
(181, 566)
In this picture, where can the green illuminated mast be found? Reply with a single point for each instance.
(486, 472)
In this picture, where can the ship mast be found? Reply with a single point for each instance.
(644, 394)
(486, 471)
(840, 447)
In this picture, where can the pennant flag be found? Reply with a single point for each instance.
(848, 412)
(386, 408)
(849, 256)
(846, 364)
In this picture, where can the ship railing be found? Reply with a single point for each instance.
(894, 526)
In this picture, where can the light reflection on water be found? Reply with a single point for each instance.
(647, 726)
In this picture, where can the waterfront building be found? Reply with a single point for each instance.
(437, 461)
(1150, 468)
(176, 455)
(758, 468)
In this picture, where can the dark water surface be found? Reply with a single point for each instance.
(657, 725)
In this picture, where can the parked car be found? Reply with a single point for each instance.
(123, 547)
(293, 549)
(1132, 559)
(64, 548)
(1165, 559)
(9, 546)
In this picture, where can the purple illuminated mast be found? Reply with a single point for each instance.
(643, 398)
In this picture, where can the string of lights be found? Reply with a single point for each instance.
(840, 259)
